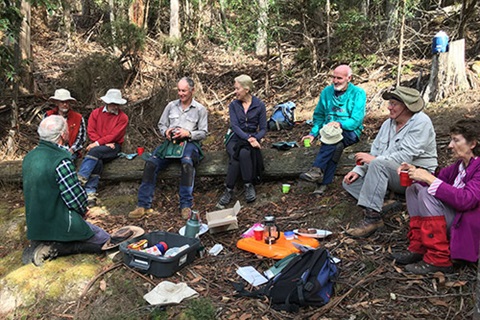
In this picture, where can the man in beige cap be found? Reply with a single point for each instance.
(341, 108)
(76, 124)
(407, 136)
(106, 130)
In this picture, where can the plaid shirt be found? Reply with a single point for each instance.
(81, 137)
(71, 191)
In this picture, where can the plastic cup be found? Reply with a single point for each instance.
(405, 180)
(359, 163)
(258, 233)
(289, 235)
(285, 188)
(306, 143)
(140, 150)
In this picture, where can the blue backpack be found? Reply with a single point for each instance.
(307, 280)
(282, 116)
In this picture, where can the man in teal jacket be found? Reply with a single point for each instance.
(338, 123)
(55, 202)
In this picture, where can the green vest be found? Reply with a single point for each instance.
(48, 218)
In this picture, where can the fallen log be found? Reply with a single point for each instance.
(278, 165)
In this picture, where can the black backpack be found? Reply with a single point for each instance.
(282, 116)
(307, 280)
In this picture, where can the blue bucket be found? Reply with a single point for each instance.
(440, 43)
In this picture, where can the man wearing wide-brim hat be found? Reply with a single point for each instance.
(106, 130)
(407, 136)
(76, 125)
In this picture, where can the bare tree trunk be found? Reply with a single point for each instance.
(392, 12)
(327, 13)
(66, 28)
(174, 33)
(25, 48)
(261, 44)
(400, 54)
(364, 7)
(136, 13)
(448, 73)
(468, 9)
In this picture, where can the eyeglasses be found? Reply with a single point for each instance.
(394, 103)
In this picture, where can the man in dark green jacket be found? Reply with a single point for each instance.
(55, 202)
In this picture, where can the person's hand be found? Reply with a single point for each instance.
(308, 136)
(180, 134)
(420, 174)
(350, 177)
(364, 157)
(334, 124)
(111, 145)
(405, 167)
(92, 145)
(71, 151)
(168, 133)
(254, 143)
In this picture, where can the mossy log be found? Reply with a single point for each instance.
(278, 165)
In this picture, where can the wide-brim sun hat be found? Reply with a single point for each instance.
(113, 96)
(62, 95)
(331, 134)
(409, 96)
(121, 235)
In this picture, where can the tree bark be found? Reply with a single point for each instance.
(25, 69)
(278, 165)
(136, 13)
(400, 54)
(261, 44)
(391, 10)
(448, 73)
(175, 19)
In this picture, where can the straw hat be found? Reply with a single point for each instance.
(113, 96)
(409, 96)
(121, 235)
(62, 95)
(331, 134)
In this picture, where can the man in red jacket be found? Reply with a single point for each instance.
(76, 125)
(106, 131)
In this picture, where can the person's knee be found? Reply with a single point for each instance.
(244, 155)
(188, 174)
(149, 172)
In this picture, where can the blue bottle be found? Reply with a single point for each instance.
(440, 43)
(193, 225)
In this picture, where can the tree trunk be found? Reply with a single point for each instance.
(364, 7)
(391, 10)
(278, 165)
(468, 9)
(66, 28)
(400, 54)
(25, 47)
(262, 24)
(327, 13)
(448, 73)
(175, 19)
(136, 13)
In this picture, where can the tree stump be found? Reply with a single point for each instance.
(448, 73)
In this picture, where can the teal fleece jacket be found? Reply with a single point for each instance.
(347, 109)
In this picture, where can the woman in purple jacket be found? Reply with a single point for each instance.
(445, 209)
(248, 122)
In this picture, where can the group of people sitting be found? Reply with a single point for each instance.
(444, 208)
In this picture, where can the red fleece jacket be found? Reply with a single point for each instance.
(106, 127)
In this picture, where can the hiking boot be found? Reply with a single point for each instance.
(27, 255)
(139, 212)
(313, 175)
(91, 200)
(365, 228)
(320, 189)
(250, 194)
(44, 251)
(407, 257)
(186, 213)
(225, 198)
(425, 268)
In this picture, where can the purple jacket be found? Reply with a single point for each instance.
(465, 229)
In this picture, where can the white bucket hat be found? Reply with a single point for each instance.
(330, 134)
(167, 292)
(113, 96)
(62, 95)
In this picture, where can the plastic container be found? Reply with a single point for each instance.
(161, 266)
(289, 235)
(440, 43)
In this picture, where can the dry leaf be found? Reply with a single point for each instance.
(245, 316)
(440, 277)
(103, 285)
(399, 270)
(438, 302)
(454, 284)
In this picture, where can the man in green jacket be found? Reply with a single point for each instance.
(338, 123)
(55, 202)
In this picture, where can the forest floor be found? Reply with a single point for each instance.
(370, 286)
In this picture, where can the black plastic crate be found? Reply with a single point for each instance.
(160, 266)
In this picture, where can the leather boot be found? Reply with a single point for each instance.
(225, 198)
(372, 222)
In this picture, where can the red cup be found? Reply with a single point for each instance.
(405, 180)
(359, 163)
(140, 150)
(258, 233)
